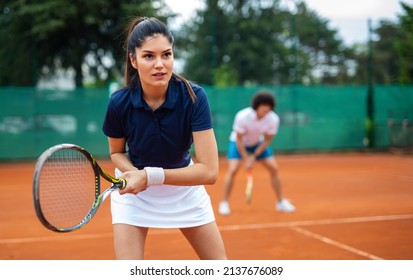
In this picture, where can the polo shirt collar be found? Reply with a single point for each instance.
(169, 103)
(171, 96)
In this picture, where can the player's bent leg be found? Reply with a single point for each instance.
(233, 167)
(283, 204)
(271, 165)
(129, 241)
(206, 240)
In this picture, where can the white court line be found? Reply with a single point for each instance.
(319, 222)
(336, 243)
(404, 178)
(65, 237)
(59, 237)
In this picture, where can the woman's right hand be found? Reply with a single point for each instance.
(136, 181)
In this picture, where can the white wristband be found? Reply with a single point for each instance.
(155, 176)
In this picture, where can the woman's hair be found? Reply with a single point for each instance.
(138, 31)
(263, 97)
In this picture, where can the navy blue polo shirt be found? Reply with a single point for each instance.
(160, 138)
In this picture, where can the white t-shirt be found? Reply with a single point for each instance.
(252, 128)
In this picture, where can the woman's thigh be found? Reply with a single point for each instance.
(129, 241)
(206, 241)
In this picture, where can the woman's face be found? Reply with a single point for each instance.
(154, 61)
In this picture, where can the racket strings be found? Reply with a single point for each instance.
(67, 188)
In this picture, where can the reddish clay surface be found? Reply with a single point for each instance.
(349, 207)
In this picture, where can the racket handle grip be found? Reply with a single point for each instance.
(121, 185)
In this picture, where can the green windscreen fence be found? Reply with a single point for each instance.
(33, 120)
(393, 113)
(312, 118)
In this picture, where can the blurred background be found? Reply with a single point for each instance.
(336, 89)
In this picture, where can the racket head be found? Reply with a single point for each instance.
(66, 187)
(249, 186)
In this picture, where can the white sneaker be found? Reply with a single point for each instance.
(224, 208)
(285, 206)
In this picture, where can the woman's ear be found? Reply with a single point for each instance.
(133, 60)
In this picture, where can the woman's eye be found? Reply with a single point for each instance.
(148, 56)
(167, 54)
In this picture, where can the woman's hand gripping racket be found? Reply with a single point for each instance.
(66, 187)
(250, 185)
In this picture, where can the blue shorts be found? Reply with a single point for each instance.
(233, 153)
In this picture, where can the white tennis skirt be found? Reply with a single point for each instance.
(163, 206)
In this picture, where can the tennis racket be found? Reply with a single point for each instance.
(67, 187)
(250, 185)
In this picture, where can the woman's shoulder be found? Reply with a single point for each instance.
(119, 93)
(120, 96)
(181, 85)
(200, 94)
(196, 87)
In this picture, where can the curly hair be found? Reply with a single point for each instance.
(263, 97)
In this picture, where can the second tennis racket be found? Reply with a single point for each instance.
(249, 187)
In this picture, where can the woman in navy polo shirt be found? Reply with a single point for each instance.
(151, 124)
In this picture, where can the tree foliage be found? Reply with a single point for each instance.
(227, 43)
(41, 36)
(404, 46)
(261, 42)
(391, 51)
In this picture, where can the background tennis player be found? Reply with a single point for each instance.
(253, 130)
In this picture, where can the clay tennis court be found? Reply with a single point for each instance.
(351, 206)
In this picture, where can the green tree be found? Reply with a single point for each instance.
(404, 45)
(232, 43)
(385, 59)
(392, 52)
(41, 36)
(327, 54)
(201, 42)
(260, 42)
